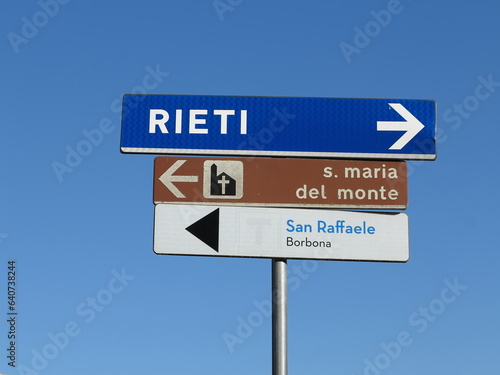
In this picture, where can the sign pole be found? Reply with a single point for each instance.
(279, 301)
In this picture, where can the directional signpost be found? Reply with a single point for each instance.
(280, 233)
(281, 182)
(279, 126)
(204, 204)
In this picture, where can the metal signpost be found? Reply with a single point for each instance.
(205, 206)
(279, 317)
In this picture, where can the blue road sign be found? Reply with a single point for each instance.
(279, 126)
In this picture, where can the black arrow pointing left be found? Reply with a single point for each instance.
(207, 229)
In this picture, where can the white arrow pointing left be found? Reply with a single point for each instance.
(411, 126)
(168, 178)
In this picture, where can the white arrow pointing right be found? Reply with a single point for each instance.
(411, 126)
(167, 178)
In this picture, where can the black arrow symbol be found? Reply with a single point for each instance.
(207, 229)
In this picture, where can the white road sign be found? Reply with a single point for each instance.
(280, 233)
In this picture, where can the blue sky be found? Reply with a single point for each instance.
(93, 297)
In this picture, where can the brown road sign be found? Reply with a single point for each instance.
(281, 182)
